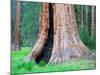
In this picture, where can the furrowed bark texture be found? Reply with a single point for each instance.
(47, 49)
(67, 43)
(44, 27)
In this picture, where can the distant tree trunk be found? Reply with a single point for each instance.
(15, 43)
(92, 24)
(66, 43)
(87, 19)
(82, 17)
(13, 11)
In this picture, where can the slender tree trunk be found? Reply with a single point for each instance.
(17, 24)
(15, 43)
(86, 15)
(92, 25)
(89, 20)
(12, 22)
(82, 16)
(86, 19)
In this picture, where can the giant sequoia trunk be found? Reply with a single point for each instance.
(43, 34)
(66, 41)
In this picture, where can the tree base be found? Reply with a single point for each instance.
(61, 56)
(58, 58)
(15, 47)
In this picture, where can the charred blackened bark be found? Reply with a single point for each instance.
(43, 34)
(47, 49)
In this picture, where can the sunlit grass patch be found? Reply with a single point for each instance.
(18, 66)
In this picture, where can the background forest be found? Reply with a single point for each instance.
(25, 29)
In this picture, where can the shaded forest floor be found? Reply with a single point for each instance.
(17, 65)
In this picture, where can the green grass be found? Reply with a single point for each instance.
(18, 66)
